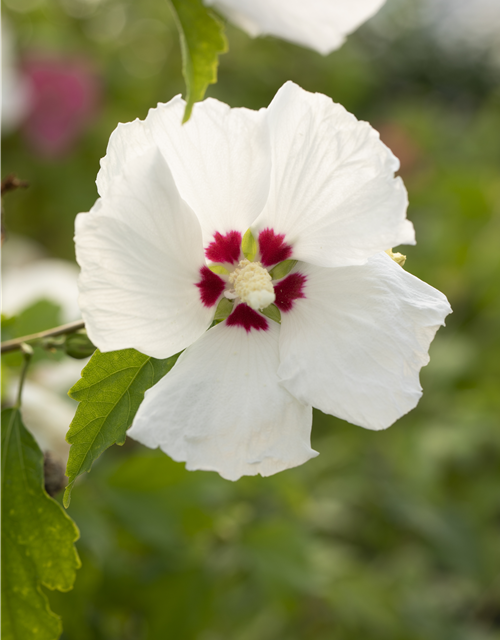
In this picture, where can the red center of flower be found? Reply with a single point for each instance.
(227, 249)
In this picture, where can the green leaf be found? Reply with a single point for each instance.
(202, 40)
(37, 540)
(110, 391)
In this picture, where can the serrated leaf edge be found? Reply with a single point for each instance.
(69, 487)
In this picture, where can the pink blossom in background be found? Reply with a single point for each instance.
(65, 99)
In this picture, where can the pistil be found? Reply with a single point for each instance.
(253, 285)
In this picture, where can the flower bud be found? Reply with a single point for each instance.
(78, 345)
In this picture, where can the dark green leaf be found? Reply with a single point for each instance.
(37, 539)
(202, 40)
(110, 391)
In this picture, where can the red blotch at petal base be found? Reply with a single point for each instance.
(225, 248)
(273, 248)
(211, 286)
(288, 290)
(244, 316)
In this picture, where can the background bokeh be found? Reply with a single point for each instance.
(391, 535)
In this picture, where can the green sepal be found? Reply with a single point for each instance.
(202, 41)
(219, 269)
(224, 308)
(272, 312)
(249, 246)
(110, 391)
(282, 269)
(37, 539)
(77, 345)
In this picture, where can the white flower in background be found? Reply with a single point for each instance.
(473, 22)
(15, 87)
(47, 416)
(319, 24)
(46, 408)
(459, 27)
(161, 249)
(47, 279)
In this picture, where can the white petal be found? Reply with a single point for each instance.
(221, 408)
(140, 251)
(333, 193)
(219, 159)
(319, 24)
(127, 141)
(354, 346)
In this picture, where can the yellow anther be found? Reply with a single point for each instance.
(397, 257)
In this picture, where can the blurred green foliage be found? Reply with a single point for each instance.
(390, 536)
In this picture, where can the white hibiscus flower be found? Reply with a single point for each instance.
(319, 24)
(161, 249)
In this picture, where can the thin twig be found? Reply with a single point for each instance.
(16, 344)
(12, 182)
(27, 353)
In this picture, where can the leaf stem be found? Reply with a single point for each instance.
(16, 344)
(27, 353)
